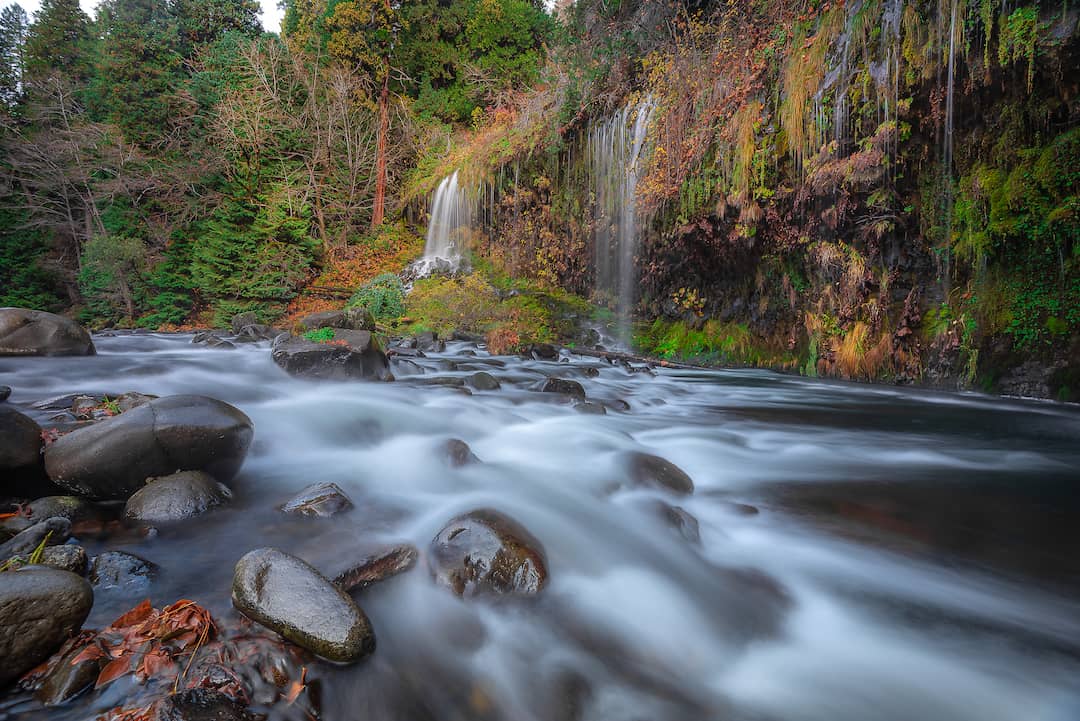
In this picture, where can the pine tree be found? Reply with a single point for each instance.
(13, 26)
(56, 41)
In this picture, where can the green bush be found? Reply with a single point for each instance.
(320, 335)
(383, 295)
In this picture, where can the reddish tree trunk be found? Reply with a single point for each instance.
(380, 154)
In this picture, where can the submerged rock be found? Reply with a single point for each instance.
(67, 678)
(590, 408)
(113, 458)
(176, 497)
(319, 500)
(35, 332)
(288, 596)
(200, 704)
(487, 552)
(646, 469)
(457, 453)
(353, 354)
(5, 393)
(483, 381)
(39, 609)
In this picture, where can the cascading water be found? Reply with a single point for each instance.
(450, 220)
(615, 154)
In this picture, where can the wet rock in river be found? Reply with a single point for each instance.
(428, 341)
(377, 566)
(5, 393)
(240, 320)
(113, 458)
(290, 597)
(646, 469)
(591, 408)
(483, 381)
(200, 704)
(678, 519)
(66, 677)
(543, 351)
(564, 386)
(176, 497)
(50, 531)
(34, 332)
(39, 609)
(22, 472)
(121, 572)
(487, 552)
(66, 558)
(457, 453)
(353, 354)
(319, 500)
(72, 508)
(132, 399)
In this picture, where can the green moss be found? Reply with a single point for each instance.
(320, 335)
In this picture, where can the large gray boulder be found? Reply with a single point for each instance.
(176, 497)
(348, 319)
(22, 472)
(39, 609)
(352, 354)
(485, 552)
(113, 458)
(35, 332)
(288, 596)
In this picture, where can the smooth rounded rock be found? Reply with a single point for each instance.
(487, 552)
(646, 469)
(564, 386)
(5, 393)
(457, 453)
(50, 531)
(34, 332)
(66, 558)
(72, 508)
(121, 572)
(67, 678)
(200, 704)
(176, 497)
(288, 596)
(483, 381)
(22, 471)
(39, 609)
(113, 458)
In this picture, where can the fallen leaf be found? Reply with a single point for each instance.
(112, 671)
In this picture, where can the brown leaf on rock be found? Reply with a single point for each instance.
(113, 670)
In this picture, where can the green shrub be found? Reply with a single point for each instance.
(383, 295)
(320, 335)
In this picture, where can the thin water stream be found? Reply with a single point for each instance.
(912, 554)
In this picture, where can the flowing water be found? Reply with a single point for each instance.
(913, 554)
(616, 160)
(449, 221)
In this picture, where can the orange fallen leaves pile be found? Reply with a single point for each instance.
(150, 643)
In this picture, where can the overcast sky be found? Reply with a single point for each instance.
(271, 16)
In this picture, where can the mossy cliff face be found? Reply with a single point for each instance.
(873, 190)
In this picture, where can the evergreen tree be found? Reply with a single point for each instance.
(56, 41)
(13, 26)
(204, 21)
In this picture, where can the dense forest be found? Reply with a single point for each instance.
(872, 190)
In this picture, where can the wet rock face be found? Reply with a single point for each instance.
(176, 497)
(35, 332)
(377, 566)
(487, 552)
(51, 531)
(319, 500)
(645, 469)
(354, 354)
(564, 386)
(457, 453)
(200, 704)
(483, 381)
(121, 572)
(39, 609)
(21, 469)
(349, 319)
(66, 680)
(113, 458)
(288, 596)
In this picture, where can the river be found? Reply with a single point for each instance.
(865, 552)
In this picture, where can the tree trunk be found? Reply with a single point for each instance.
(380, 154)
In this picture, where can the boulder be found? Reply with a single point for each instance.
(543, 351)
(176, 497)
(66, 558)
(483, 381)
(241, 320)
(319, 500)
(377, 566)
(5, 393)
(120, 571)
(256, 332)
(39, 609)
(564, 386)
(35, 332)
(353, 354)
(359, 318)
(646, 469)
(22, 472)
(428, 341)
(288, 596)
(113, 458)
(487, 552)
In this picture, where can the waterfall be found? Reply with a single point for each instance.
(615, 156)
(449, 222)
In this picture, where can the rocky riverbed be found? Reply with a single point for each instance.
(426, 531)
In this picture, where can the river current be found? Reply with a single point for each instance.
(864, 552)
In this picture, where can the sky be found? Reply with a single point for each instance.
(271, 16)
